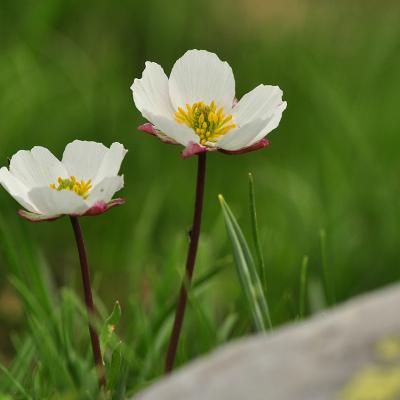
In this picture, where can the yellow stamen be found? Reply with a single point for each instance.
(81, 188)
(207, 121)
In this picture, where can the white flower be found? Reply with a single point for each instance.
(196, 106)
(83, 183)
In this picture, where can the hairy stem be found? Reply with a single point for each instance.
(94, 337)
(190, 262)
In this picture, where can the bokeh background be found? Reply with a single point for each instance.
(332, 170)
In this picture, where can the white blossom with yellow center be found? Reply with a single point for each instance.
(84, 182)
(196, 105)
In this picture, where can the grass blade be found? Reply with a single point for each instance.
(316, 296)
(303, 286)
(327, 278)
(247, 271)
(21, 365)
(254, 225)
(17, 386)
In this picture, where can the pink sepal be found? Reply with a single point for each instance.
(256, 146)
(147, 128)
(193, 148)
(33, 217)
(101, 207)
(98, 208)
(151, 130)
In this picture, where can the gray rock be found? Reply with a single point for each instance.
(349, 353)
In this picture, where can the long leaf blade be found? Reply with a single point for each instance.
(255, 231)
(247, 271)
(303, 286)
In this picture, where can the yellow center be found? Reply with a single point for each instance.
(207, 121)
(81, 188)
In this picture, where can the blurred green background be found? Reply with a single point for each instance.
(65, 72)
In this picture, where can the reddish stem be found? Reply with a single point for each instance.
(94, 337)
(190, 262)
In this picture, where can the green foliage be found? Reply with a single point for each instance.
(53, 358)
(247, 271)
(303, 287)
(65, 72)
(255, 231)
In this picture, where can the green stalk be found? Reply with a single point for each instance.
(254, 224)
(303, 286)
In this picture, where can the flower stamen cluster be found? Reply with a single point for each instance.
(81, 187)
(207, 121)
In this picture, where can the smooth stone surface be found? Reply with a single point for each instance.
(349, 353)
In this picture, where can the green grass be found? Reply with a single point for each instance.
(332, 167)
(248, 272)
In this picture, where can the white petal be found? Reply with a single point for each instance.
(151, 92)
(37, 167)
(242, 137)
(16, 189)
(51, 202)
(256, 114)
(179, 132)
(104, 190)
(271, 124)
(260, 103)
(111, 162)
(82, 159)
(201, 76)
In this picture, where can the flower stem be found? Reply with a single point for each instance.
(190, 262)
(94, 337)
